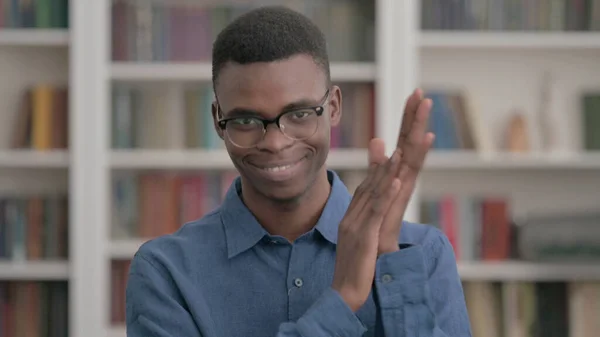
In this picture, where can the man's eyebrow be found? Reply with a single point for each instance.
(301, 103)
(246, 112)
(242, 112)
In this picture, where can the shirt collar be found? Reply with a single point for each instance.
(243, 231)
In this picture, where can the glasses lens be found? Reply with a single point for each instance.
(244, 132)
(299, 124)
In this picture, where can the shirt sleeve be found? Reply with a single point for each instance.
(154, 308)
(419, 291)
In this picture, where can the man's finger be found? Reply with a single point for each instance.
(377, 152)
(410, 110)
(421, 122)
(416, 160)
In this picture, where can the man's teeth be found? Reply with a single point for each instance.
(278, 168)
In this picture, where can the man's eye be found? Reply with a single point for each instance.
(301, 114)
(244, 121)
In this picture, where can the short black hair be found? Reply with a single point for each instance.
(267, 34)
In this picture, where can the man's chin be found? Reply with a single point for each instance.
(288, 194)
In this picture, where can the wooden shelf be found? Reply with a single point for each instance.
(466, 160)
(33, 159)
(202, 71)
(520, 40)
(34, 270)
(490, 271)
(117, 331)
(348, 159)
(528, 271)
(502, 270)
(215, 159)
(124, 248)
(34, 37)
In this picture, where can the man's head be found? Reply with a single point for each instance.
(267, 63)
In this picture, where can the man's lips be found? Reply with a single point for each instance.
(276, 165)
(279, 171)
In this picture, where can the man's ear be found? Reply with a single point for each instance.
(216, 117)
(335, 105)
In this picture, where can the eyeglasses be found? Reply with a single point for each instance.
(296, 124)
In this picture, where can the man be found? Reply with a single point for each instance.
(290, 252)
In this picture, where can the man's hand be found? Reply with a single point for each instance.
(413, 144)
(358, 232)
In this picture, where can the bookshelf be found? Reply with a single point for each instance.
(501, 72)
(516, 61)
(35, 168)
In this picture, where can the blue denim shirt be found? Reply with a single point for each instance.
(225, 276)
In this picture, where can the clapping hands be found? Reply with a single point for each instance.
(372, 223)
(414, 142)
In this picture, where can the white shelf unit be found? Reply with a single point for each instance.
(406, 58)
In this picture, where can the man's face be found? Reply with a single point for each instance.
(278, 167)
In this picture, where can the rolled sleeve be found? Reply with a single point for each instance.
(401, 278)
(419, 291)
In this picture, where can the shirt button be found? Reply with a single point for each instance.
(387, 278)
(298, 282)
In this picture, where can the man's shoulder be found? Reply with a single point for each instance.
(193, 239)
(414, 233)
(432, 243)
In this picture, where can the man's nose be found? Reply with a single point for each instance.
(274, 140)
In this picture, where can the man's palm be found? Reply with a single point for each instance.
(414, 143)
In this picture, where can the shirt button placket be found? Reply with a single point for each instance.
(296, 285)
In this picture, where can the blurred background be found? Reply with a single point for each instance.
(106, 141)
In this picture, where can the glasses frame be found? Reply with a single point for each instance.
(318, 109)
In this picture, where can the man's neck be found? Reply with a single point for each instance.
(289, 220)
